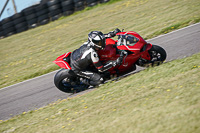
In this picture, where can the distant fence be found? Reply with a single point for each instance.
(43, 13)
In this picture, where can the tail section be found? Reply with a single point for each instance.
(63, 61)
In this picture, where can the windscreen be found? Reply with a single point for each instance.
(128, 40)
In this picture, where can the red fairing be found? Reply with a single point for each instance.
(110, 41)
(61, 63)
(149, 46)
(108, 53)
(145, 54)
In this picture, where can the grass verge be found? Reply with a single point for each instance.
(160, 99)
(30, 54)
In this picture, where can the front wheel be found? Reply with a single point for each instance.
(158, 55)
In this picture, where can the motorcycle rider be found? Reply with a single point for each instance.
(86, 55)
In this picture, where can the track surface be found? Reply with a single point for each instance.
(40, 91)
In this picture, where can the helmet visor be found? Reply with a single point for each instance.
(100, 43)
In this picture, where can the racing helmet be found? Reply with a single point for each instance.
(97, 39)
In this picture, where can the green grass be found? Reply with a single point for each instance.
(163, 99)
(30, 54)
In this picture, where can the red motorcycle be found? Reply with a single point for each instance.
(136, 52)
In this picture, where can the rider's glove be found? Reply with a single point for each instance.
(113, 33)
(116, 31)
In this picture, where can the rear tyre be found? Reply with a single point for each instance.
(59, 81)
(62, 81)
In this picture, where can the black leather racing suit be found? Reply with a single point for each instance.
(83, 57)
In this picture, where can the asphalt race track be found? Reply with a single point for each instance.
(40, 91)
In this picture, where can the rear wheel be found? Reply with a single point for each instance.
(65, 82)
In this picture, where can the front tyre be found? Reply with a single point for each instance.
(158, 55)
